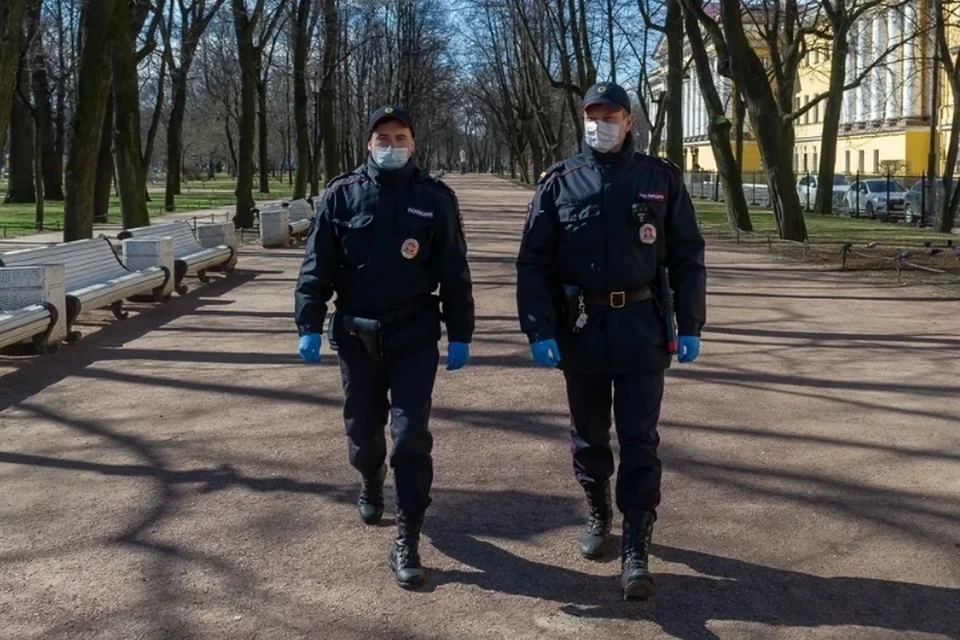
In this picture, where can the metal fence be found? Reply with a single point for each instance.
(900, 196)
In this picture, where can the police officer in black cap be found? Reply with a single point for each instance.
(611, 254)
(384, 237)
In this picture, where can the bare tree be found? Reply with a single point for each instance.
(718, 125)
(11, 21)
(87, 121)
(946, 13)
(193, 20)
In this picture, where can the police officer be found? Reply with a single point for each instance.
(600, 227)
(384, 237)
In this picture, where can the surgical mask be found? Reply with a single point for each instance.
(602, 136)
(390, 158)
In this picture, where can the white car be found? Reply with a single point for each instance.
(807, 190)
(877, 198)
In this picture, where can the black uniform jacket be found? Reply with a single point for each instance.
(603, 222)
(382, 240)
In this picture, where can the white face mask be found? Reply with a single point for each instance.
(391, 157)
(602, 136)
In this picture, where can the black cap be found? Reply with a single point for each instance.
(391, 113)
(608, 93)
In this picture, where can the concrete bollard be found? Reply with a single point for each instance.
(151, 251)
(219, 233)
(23, 286)
(274, 227)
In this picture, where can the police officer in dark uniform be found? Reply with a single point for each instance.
(385, 235)
(611, 252)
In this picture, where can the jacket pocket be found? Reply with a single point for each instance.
(356, 238)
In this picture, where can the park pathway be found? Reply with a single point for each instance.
(183, 475)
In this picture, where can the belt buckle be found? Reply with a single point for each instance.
(618, 299)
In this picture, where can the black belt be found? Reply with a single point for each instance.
(617, 299)
(405, 312)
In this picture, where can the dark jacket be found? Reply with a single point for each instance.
(382, 240)
(584, 228)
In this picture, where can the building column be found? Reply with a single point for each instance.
(893, 67)
(863, 45)
(908, 107)
(851, 73)
(878, 75)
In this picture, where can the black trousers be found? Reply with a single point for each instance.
(409, 379)
(635, 400)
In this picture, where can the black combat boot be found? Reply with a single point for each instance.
(635, 579)
(404, 557)
(370, 503)
(594, 539)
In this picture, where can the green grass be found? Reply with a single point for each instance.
(823, 229)
(18, 219)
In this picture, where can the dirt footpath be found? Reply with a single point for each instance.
(183, 475)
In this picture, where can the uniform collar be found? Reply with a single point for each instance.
(393, 177)
(615, 157)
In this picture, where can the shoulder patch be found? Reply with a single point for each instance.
(551, 170)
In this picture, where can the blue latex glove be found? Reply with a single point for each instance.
(688, 348)
(546, 353)
(457, 355)
(310, 347)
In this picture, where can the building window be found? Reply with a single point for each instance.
(861, 160)
(806, 116)
(796, 160)
(816, 112)
(876, 161)
(806, 165)
(816, 163)
(846, 160)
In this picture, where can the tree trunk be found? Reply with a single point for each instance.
(946, 214)
(775, 136)
(21, 187)
(52, 161)
(243, 217)
(328, 91)
(262, 142)
(300, 104)
(178, 108)
(11, 23)
(832, 112)
(718, 130)
(38, 184)
(104, 176)
(86, 125)
(131, 179)
(673, 100)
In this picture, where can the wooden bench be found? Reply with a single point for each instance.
(190, 257)
(33, 322)
(94, 275)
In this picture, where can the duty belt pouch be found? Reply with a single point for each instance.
(369, 331)
(570, 309)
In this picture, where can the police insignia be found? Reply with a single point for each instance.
(388, 110)
(410, 248)
(602, 89)
(648, 234)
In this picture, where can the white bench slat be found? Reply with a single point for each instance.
(22, 324)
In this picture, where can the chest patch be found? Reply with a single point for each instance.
(648, 234)
(420, 212)
(653, 196)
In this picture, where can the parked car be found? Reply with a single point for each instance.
(913, 208)
(807, 190)
(876, 197)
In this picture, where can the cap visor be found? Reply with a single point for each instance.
(607, 102)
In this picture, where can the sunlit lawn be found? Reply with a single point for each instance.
(18, 219)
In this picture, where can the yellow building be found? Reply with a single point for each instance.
(885, 121)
